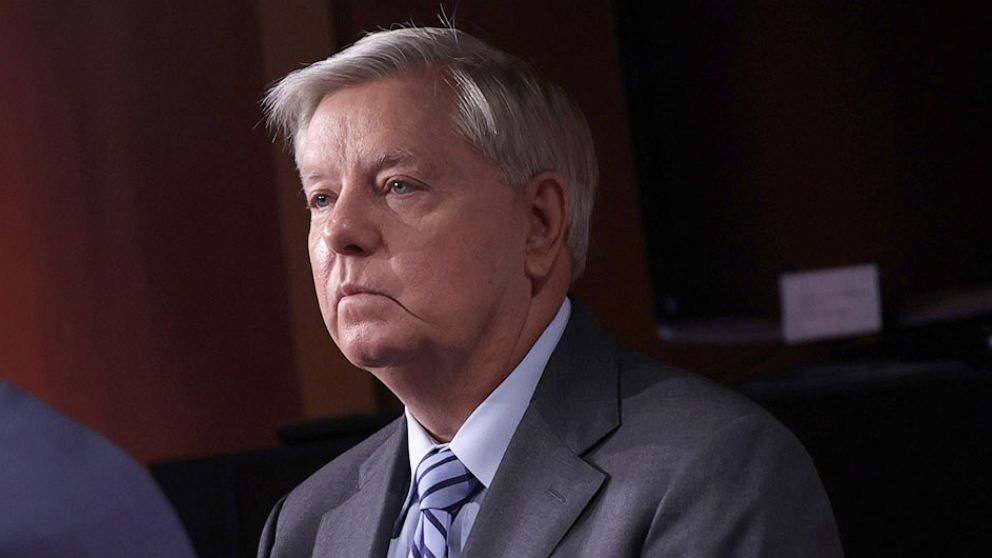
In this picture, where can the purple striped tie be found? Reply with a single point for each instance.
(443, 485)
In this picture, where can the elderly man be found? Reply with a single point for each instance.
(450, 189)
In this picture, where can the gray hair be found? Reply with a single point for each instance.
(520, 121)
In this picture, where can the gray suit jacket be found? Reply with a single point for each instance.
(617, 455)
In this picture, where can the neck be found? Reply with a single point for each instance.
(443, 389)
(468, 379)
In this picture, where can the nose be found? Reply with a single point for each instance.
(351, 228)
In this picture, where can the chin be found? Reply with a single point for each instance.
(368, 350)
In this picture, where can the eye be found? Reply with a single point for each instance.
(399, 187)
(319, 201)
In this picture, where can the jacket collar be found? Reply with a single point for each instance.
(545, 483)
(363, 524)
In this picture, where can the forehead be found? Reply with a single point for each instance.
(384, 119)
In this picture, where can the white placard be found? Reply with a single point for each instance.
(828, 303)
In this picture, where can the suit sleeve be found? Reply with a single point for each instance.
(269, 531)
(750, 491)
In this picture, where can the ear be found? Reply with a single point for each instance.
(548, 199)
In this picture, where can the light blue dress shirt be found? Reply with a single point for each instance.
(481, 442)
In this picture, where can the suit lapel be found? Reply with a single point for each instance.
(529, 507)
(363, 524)
(543, 484)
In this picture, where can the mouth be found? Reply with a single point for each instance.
(348, 289)
(352, 290)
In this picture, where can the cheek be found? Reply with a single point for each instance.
(471, 267)
(320, 254)
(319, 262)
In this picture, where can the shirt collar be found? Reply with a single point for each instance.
(482, 440)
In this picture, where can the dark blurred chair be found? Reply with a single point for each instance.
(904, 450)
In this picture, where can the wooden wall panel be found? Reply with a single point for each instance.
(142, 281)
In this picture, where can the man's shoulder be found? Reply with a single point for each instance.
(297, 517)
(658, 407)
(684, 420)
(699, 461)
(673, 402)
(339, 478)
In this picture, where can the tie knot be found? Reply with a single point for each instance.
(443, 482)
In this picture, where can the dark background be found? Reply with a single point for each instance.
(153, 272)
(779, 137)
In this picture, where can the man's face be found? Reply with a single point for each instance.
(416, 241)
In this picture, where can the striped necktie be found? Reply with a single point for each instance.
(443, 486)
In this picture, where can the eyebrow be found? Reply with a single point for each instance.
(392, 158)
(382, 161)
(312, 175)
(424, 167)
